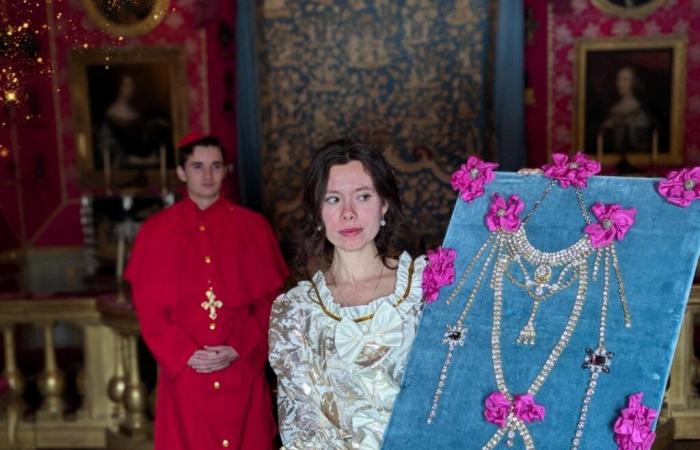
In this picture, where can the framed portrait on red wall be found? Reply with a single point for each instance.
(129, 108)
(630, 99)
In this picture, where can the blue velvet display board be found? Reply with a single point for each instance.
(657, 257)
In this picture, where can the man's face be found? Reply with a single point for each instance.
(203, 173)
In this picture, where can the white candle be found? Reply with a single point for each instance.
(120, 258)
(106, 163)
(163, 171)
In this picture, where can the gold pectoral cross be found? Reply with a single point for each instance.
(212, 303)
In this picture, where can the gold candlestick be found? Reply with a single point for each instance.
(106, 163)
(655, 150)
(163, 171)
(599, 147)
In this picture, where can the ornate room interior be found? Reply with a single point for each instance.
(95, 94)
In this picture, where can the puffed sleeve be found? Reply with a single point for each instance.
(304, 419)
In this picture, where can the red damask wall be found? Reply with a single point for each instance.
(559, 24)
(39, 179)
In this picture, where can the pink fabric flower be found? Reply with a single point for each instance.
(497, 407)
(502, 215)
(471, 177)
(681, 187)
(526, 409)
(439, 272)
(613, 223)
(633, 427)
(575, 172)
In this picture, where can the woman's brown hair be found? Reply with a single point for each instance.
(315, 251)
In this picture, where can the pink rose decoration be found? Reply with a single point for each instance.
(571, 172)
(504, 216)
(613, 223)
(497, 407)
(526, 409)
(633, 427)
(681, 187)
(471, 177)
(439, 272)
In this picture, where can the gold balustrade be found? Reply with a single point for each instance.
(682, 395)
(125, 387)
(49, 427)
(112, 414)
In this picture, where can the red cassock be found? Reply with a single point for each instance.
(208, 278)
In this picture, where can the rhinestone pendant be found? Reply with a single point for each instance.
(543, 274)
(598, 360)
(511, 438)
(528, 334)
(454, 337)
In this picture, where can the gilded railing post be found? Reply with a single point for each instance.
(117, 384)
(51, 383)
(683, 400)
(12, 373)
(15, 381)
(135, 394)
(98, 344)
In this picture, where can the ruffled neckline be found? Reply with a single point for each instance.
(408, 284)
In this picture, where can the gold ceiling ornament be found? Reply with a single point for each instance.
(126, 17)
(629, 9)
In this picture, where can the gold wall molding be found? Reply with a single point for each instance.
(127, 25)
(628, 12)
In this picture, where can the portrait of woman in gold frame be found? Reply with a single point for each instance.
(129, 109)
(126, 17)
(630, 99)
(632, 9)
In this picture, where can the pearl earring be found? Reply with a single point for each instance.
(319, 228)
(382, 222)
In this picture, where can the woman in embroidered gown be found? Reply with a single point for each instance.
(339, 341)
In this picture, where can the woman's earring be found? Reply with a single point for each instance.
(382, 222)
(319, 228)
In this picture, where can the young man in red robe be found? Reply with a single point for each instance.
(204, 273)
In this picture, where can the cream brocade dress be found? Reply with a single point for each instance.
(339, 368)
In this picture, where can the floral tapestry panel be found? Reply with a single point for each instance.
(408, 76)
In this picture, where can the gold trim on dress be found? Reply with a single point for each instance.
(368, 316)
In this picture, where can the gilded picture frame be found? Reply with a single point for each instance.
(630, 99)
(629, 9)
(129, 110)
(126, 17)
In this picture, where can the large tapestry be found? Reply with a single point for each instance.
(410, 77)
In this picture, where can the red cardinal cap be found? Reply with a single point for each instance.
(190, 138)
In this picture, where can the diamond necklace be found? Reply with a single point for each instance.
(514, 247)
(579, 263)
